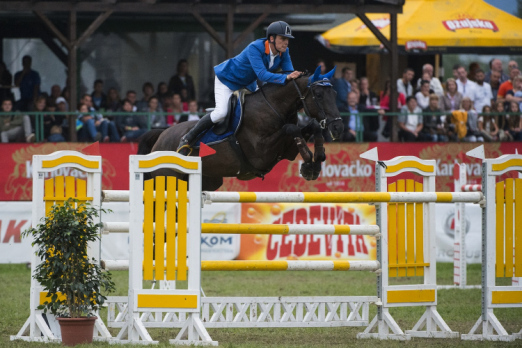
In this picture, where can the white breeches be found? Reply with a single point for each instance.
(222, 94)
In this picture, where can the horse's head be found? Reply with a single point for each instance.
(321, 102)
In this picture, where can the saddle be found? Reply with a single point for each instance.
(224, 125)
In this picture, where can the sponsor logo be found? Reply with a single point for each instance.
(469, 23)
(379, 23)
(416, 45)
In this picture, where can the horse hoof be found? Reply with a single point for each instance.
(310, 171)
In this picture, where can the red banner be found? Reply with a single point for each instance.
(342, 171)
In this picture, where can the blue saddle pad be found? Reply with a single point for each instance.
(210, 138)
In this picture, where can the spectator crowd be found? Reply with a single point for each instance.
(430, 110)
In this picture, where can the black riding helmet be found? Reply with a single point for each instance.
(279, 28)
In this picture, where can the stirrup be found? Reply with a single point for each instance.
(185, 147)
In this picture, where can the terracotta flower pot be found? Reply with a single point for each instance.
(77, 330)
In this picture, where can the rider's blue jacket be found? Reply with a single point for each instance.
(243, 70)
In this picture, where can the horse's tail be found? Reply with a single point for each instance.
(147, 141)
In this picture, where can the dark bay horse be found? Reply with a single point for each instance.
(267, 135)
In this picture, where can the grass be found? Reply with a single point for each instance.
(460, 308)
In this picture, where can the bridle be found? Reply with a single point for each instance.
(324, 122)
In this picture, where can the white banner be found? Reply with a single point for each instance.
(16, 217)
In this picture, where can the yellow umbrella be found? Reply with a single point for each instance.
(434, 26)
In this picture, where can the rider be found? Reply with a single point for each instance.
(257, 62)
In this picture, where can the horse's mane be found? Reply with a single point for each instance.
(268, 87)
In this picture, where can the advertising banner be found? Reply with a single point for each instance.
(342, 171)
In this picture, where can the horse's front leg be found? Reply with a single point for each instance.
(309, 167)
(319, 152)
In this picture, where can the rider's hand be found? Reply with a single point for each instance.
(293, 75)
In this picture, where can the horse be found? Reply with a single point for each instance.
(268, 132)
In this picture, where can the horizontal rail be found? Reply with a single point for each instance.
(339, 265)
(471, 188)
(342, 197)
(449, 287)
(368, 230)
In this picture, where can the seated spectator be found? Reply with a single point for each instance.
(175, 107)
(487, 125)
(515, 95)
(56, 92)
(501, 120)
(28, 81)
(423, 96)
(95, 127)
(132, 97)
(514, 121)
(182, 80)
(192, 112)
(473, 132)
(162, 92)
(343, 86)
(156, 119)
(483, 93)
(404, 84)
(148, 92)
(367, 97)
(12, 126)
(113, 100)
(39, 106)
(451, 100)
(507, 86)
(354, 122)
(434, 123)
(427, 74)
(132, 126)
(411, 122)
(184, 96)
(53, 123)
(99, 99)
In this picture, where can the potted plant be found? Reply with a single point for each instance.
(62, 240)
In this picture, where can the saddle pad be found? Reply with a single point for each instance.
(210, 138)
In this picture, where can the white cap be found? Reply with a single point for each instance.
(60, 100)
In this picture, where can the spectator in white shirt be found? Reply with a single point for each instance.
(423, 96)
(404, 84)
(483, 93)
(192, 113)
(435, 84)
(465, 86)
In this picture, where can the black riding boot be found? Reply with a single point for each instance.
(187, 140)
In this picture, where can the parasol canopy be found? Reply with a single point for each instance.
(432, 27)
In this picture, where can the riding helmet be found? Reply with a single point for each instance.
(279, 28)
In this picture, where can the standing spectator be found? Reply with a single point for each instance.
(404, 84)
(192, 113)
(132, 97)
(66, 95)
(452, 98)
(495, 65)
(12, 126)
(162, 92)
(351, 125)
(473, 68)
(465, 86)
(367, 97)
(515, 121)
(113, 100)
(483, 93)
(148, 92)
(494, 82)
(156, 119)
(182, 80)
(411, 122)
(434, 123)
(6, 82)
(512, 65)
(355, 87)
(507, 86)
(435, 84)
(502, 122)
(473, 133)
(99, 99)
(343, 86)
(385, 105)
(423, 96)
(28, 81)
(322, 64)
(515, 95)
(487, 125)
(455, 71)
(132, 126)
